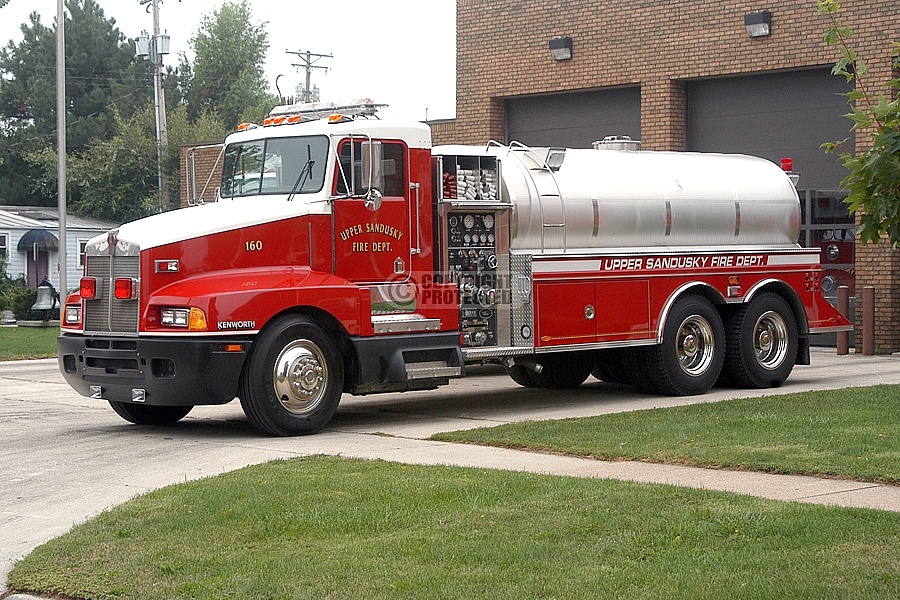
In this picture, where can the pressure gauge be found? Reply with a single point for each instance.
(488, 221)
(469, 221)
(453, 221)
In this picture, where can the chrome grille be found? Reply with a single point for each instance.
(105, 313)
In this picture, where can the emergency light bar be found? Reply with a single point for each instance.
(363, 107)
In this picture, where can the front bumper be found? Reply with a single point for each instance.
(155, 371)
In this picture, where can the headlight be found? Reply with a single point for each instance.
(192, 318)
(73, 314)
(174, 317)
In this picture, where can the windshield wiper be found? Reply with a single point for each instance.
(305, 173)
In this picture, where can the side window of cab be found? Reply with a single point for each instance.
(389, 172)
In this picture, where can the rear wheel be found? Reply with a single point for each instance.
(610, 366)
(637, 372)
(558, 371)
(521, 375)
(690, 358)
(293, 379)
(142, 414)
(762, 342)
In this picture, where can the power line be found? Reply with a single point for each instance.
(309, 59)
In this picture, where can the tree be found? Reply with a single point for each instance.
(873, 181)
(116, 178)
(100, 73)
(227, 76)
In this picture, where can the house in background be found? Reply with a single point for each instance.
(29, 243)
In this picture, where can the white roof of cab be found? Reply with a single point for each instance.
(413, 133)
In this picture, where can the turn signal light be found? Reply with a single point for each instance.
(88, 288)
(197, 320)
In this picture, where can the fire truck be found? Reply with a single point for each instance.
(345, 254)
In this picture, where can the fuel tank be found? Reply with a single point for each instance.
(575, 201)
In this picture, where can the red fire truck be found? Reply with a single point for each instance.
(345, 254)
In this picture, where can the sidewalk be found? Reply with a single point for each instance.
(790, 488)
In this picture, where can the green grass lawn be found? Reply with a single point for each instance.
(852, 433)
(19, 343)
(337, 528)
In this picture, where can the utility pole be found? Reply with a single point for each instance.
(61, 145)
(309, 63)
(155, 48)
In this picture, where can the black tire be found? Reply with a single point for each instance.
(293, 379)
(564, 371)
(634, 361)
(521, 375)
(690, 358)
(762, 342)
(610, 366)
(143, 414)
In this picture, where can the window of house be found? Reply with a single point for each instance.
(4, 246)
(82, 243)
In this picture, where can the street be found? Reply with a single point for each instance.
(65, 458)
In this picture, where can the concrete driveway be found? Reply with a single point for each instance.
(65, 458)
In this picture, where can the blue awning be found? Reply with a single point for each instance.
(38, 238)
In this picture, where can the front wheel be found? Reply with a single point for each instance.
(293, 379)
(142, 414)
(762, 342)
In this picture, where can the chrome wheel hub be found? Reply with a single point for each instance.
(300, 377)
(695, 345)
(770, 340)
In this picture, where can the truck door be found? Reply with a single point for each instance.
(372, 213)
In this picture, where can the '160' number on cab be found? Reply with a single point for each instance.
(253, 246)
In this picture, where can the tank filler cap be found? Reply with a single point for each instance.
(618, 142)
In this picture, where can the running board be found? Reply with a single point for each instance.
(404, 323)
(430, 370)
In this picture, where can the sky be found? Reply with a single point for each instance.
(402, 53)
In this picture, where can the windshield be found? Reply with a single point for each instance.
(275, 166)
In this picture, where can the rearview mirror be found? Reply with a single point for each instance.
(372, 172)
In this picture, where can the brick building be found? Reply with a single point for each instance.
(201, 171)
(684, 75)
(678, 75)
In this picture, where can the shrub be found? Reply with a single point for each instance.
(15, 295)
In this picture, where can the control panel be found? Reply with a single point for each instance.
(472, 266)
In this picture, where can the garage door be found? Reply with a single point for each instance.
(574, 120)
(787, 114)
